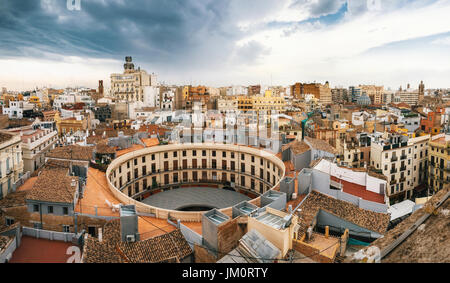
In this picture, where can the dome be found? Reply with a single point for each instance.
(364, 100)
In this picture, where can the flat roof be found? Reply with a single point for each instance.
(216, 216)
(273, 195)
(272, 220)
(127, 210)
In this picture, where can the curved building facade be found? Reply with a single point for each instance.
(138, 176)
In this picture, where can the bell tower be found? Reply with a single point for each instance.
(421, 91)
(128, 66)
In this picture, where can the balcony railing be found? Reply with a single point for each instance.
(402, 179)
(180, 168)
(403, 157)
(393, 171)
(393, 182)
(403, 168)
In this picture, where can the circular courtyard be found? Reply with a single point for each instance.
(184, 180)
(195, 199)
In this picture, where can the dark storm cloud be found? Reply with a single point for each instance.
(320, 7)
(196, 32)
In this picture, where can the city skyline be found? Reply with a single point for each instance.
(219, 43)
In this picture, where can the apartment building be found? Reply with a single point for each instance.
(432, 124)
(393, 155)
(245, 103)
(130, 85)
(439, 160)
(72, 125)
(354, 93)
(196, 97)
(11, 164)
(227, 104)
(168, 99)
(355, 152)
(268, 102)
(374, 92)
(339, 95)
(16, 109)
(320, 91)
(236, 90)
(35, 145)
(408, 96)
(420, 162)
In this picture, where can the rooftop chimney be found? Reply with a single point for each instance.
(129, 223)
(100, 235)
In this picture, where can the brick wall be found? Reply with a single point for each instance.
(228, 236)
(51, 222)
(311, 252)
(202, 255)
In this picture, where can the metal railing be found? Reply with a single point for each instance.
(170, 170)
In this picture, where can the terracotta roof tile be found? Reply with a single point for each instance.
(157, 249)
(13, 200)
(377, 222)
(72, 152)
(4, 240)
(299, 147)
(105, 251)
(47, 189)
(103, 148)
(169, 247)
(321, 145)
(5, 137)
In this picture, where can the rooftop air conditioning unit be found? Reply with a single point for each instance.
(131, 238)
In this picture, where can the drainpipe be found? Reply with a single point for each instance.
(40, 214)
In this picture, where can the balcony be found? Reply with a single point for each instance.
(393, 171)
(394, 159)
(402, 179)
(393, 182)
(403, 157)
(403, 168)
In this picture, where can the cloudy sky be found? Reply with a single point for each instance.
(225, 42)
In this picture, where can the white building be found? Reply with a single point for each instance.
(35, 144)
(151, 97)
(168, 99)
(11, 164)
(130, 85)
(393, 155)
(62, 99)
(237, 90)
(225, 105)
(16, 109)
(420, 160)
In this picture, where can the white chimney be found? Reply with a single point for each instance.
(100, 234)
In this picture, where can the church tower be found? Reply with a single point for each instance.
(421, 91)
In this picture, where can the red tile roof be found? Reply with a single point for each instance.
(359, 191)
